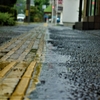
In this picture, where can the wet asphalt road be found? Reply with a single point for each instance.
(71, 70)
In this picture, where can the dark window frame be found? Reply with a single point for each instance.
(90, 9)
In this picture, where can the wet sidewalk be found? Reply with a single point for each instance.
(19, 60)
(71, 70)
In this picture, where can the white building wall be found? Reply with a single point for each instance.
(70, 10)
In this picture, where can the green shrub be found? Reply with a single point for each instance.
(6, 19)
(10, 10)
(35, 14)
(33, 11)
(11, 21)
(36, 19)
(13, 11)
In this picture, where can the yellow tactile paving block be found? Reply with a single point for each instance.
(21, 88)
(10, 82)
(30, 69)
(35, 78)
(7, 68)
(3, 98)
(15, 48)
(45, 24)
(32, 65)
(41, 45)
(23, 84)
(22, 56)
(12, 51)
(5, 45)
(28, 73)
(16, 98)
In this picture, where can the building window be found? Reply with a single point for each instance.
(97, 7)
(89, 12)
(92, 7)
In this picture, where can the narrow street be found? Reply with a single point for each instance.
(50, 50)
(47, 62)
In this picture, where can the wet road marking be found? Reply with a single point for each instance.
(7, 68)
(20, 70)
(45, 24)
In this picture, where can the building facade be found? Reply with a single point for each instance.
(70, 12)
(91, 15)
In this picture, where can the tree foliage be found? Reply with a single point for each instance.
(20, 6)
(35, 14)
(39, 3)
(8, 2)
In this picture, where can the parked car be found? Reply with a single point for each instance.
(20, 17)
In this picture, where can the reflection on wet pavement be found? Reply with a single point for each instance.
(71, 70)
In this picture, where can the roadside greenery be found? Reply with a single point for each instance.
(8, 14)
(6, 19)
(35, 14)
(38, 13)
(9, 3)
(39, 3)
(20, 6)
(10, 10)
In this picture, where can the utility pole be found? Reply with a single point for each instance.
(80, 10)
(55, 11)
(28, 11)
(52, 11)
